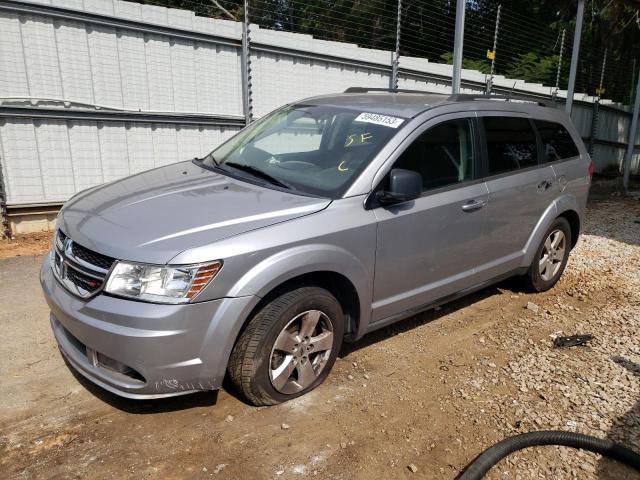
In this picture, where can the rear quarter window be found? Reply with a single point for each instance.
(557, 143)
(511, 144)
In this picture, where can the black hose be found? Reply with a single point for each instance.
(487, 459)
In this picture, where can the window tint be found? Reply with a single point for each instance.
(443, 155)
(557, 143)
(511, 143)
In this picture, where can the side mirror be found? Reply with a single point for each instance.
(404, 185)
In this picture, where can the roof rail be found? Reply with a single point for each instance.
(460, 97)
(390, 90)
(518, 98)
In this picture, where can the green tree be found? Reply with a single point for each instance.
(532, 67)
(481, 65)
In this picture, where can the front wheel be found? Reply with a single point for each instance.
(551, 256)
(288, 347)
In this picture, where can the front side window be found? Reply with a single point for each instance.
(443, 155)
(511, 144)
(309, 149)
(557, 143)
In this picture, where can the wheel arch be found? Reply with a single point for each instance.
(565, 206)
(335, 283)
(341, 272)
(574, 222)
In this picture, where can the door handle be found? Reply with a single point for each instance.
(545, 185)
(472, 205)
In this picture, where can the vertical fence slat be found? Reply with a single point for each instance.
(575, 53)
(457, 46)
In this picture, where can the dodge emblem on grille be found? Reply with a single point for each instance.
(73, 266)
(67, 247)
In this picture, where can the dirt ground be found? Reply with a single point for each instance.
(25, 245)
(419, 399)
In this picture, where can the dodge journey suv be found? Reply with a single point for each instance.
(320, 222)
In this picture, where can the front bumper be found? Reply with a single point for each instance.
(142, 350)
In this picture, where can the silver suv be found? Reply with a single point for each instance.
(322, 221)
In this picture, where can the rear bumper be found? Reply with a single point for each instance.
(141, 350)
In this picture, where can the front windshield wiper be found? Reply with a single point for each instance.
(256, 172)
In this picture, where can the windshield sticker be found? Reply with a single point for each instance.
(385, 120)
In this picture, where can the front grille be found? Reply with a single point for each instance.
(93, 258)
(83, 281)
(81, 271)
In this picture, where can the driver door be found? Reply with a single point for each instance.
(427, 248)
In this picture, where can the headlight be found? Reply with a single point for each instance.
(161, 284)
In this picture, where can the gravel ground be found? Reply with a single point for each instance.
(594, 389)
(419, 399)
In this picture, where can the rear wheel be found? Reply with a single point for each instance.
(288, 347)
(551, 257)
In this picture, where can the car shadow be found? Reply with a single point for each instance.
(159, 405)
(625, 431)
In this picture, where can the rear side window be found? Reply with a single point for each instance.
(443, 155)
(557, 143)
(511, 144)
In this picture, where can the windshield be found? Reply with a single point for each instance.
(312, 149)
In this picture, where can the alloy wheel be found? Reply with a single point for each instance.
(301, 351)
(552, 255)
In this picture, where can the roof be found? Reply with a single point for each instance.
(401, 104)
(404, 103)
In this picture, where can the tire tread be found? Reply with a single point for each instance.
(245, 355)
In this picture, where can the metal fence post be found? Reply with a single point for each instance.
(495, 46)
(555, 93)
(457, 46)
(633, 131)
(633, 81)
(574, 57)
(247, 101)
(596, 107)
(396, 58)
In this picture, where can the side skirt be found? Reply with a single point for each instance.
(441, 301)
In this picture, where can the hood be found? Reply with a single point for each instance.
(154, 215)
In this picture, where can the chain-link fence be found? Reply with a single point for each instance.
(528, 41)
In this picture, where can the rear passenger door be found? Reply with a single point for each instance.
(520, 189)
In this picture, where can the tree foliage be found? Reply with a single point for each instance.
(533, 67)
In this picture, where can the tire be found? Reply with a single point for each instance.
(543, 275)
(279, 356)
